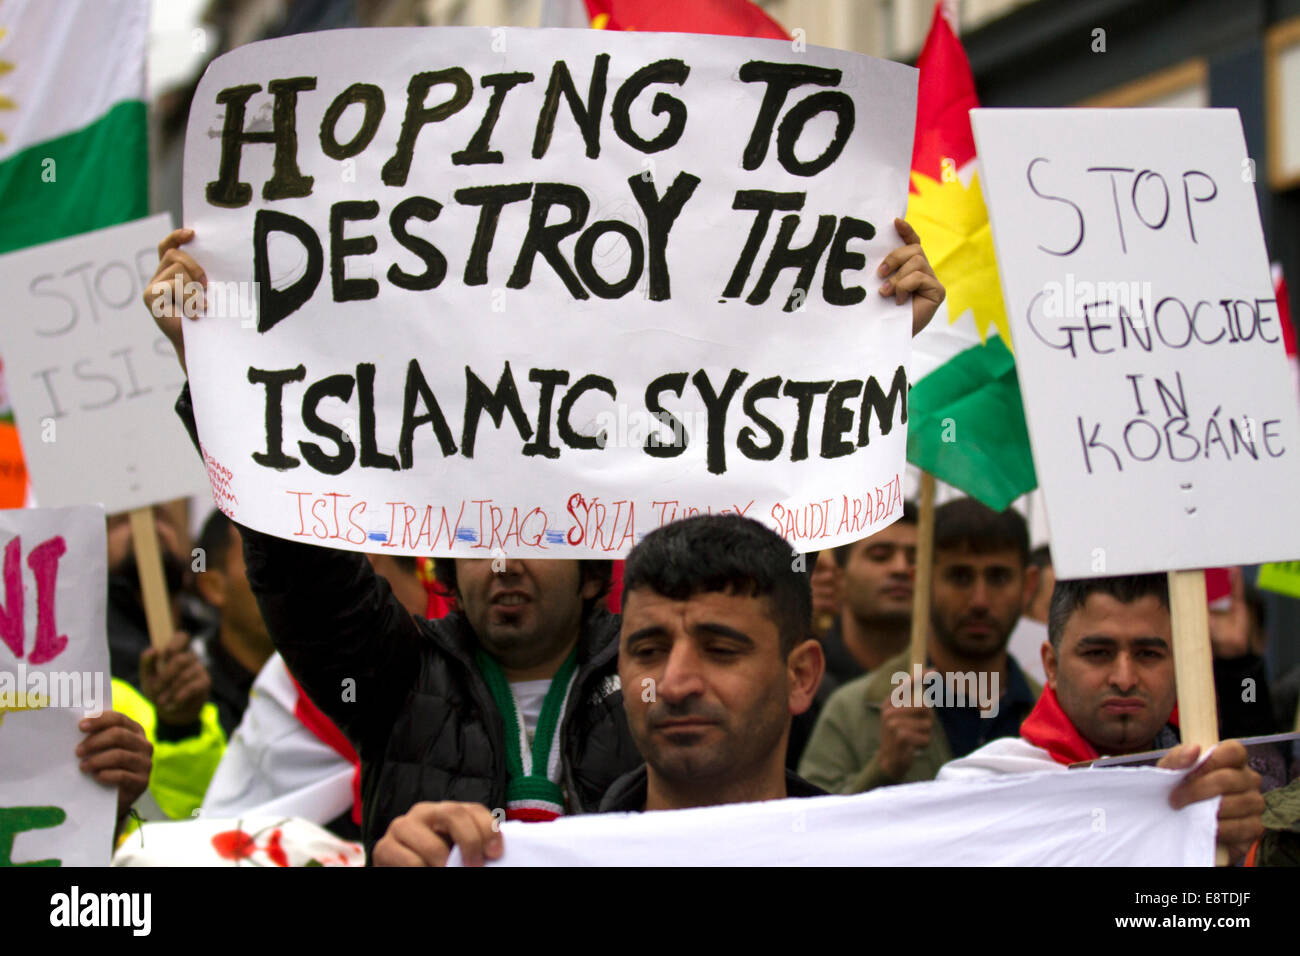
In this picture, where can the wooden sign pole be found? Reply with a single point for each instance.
(153, 585)
(1198, 712)
(924, 570)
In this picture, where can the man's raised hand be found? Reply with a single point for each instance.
(907, 272)
(176, 681)
(161, 295)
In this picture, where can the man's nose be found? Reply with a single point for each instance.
(1123, 676)
(681, 676)
(507, 567)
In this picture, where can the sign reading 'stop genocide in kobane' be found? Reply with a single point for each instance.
(542, 291)
(1161, 412)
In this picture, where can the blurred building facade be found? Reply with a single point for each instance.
(1242, 54)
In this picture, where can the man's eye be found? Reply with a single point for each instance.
(723, 651)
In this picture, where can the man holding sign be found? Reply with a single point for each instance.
(56, 731)
(716, 659)
(514, 702)
(1110, 690)
(539, 617)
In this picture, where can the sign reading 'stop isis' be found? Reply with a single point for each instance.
(542, 291)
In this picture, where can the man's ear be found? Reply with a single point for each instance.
(591, 584)
(806, 665)
(1032, 573)
(212, 587)
(1049, 663)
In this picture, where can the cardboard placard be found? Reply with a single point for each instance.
(1161, 412)
(538, 292)
(92, 380)
(53, 672)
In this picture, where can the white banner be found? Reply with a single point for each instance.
(1080, 818)
(92, 381)
(53, 671)
(539, 292)
(1161, 408)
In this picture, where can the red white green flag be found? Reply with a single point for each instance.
(966, 423)
(74, 147)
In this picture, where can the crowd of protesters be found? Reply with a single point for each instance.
(710, 668)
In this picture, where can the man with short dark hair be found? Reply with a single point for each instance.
(871, 733)
(241, 645)
(874, 620)
(1110, 690)
(714, 658)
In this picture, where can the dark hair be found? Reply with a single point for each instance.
(967, 523)
(1069, 596)
(1041, 556)
(727, 553)
(444, 572)
(843, 551)
(215, 539)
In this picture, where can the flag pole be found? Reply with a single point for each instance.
(924, 568)
(153, 585)
(1198, 715)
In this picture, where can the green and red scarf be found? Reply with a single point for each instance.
(533, 793)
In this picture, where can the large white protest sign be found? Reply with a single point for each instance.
(1161, 412)
(53, 672)
(92, 381)
(1086, 818)
(543, 291)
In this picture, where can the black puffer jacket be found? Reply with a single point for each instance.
(408, 695)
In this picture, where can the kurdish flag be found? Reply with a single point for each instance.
(74, 147)
(966, 424)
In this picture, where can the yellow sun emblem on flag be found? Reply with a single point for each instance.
(5, 102)
(954, 227)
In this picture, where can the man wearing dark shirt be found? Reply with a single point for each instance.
(870, 732)
(875, 577)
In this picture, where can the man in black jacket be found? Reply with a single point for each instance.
(449, 710)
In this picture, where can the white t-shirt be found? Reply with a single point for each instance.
(529, 695)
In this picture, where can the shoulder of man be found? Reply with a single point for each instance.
(880, 682)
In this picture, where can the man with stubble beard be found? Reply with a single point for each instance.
(870, 734)
(715, 657)
(1111, 690)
